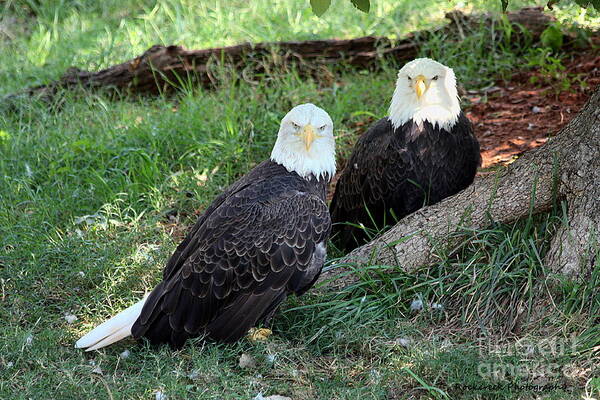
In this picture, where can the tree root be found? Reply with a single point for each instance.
(566, 168)
(162, 69)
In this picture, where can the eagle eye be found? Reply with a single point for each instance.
(322, 128)
(409, 78)
(435, 78)
(295, 125)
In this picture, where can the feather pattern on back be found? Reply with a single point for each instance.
(402, 170)
(252, 247)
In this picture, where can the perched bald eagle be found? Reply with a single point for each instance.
(262, 239)
(423, 152)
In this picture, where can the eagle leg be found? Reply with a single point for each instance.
(261, 334)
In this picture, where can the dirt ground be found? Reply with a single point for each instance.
(519, 115)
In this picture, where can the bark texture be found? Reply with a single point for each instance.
(575, 245)
(163, 68)
(567, 167)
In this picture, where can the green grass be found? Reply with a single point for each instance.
(93, 35)
(95, 194)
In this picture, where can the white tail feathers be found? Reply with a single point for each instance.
(112, 330)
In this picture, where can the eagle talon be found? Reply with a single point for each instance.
(259, 334)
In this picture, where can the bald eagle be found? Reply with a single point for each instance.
(261, 240)
(424, 151)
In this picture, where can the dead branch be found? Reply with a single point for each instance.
(162, 68)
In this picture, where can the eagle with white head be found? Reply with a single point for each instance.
(261, 240)
(423, 152)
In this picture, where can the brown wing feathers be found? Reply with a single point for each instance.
(235, 265)
(365, 182)
(401, 169)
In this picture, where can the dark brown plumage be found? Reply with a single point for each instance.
(262, 239)
(394, 172)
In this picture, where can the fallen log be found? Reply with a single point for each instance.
(163, 68)
(566, 168)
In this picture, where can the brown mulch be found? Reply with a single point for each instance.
(519, 115)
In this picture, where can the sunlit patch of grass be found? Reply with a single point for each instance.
(45, 38)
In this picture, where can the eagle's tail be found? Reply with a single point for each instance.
(112, 330)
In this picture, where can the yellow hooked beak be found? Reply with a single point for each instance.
(420, 86)
(308, 136)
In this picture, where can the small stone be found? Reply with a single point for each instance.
(29, 340)
(375, 375)
(270, 358)
(97, 371)
(125, 354)
(536, 110)
(273, 397)
(10, 364)
(81, 274)
(404, 342)
(416, 305)
(437, 306)
(160, 395)
(529, 350)
(70, 318)
(247, 361)
(193, 375)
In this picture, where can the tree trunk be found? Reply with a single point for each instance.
(164, 68)
(567, 167)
